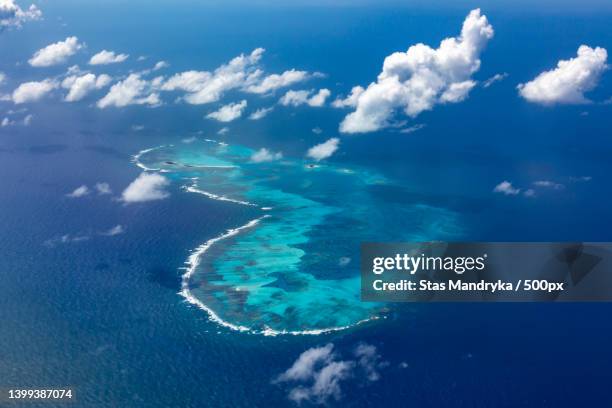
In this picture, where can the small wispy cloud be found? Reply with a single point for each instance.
(495, 78)
(324, 150)
(79, 192)
(229, 112)
(116, 230)
(260, 113)
(265, 155)
(105, 57)
(304, 97)
(506, 188)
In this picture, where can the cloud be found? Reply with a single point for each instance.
(420, 78)
(103, 188)
(33, 91)
(351, 100)
(131, 91)
(26, 121)
(11, 15)
(276, 81)
(146, 187)
(326, 384)
(323, 150)
(575, 179)
(116, 230)
(80, 86)
(79, 192)
(56, 53)
(206, 87)
(495, 78)
(2, 78)
(505, 187)
(412, 129)
(223, 130)
(369, 360)
(265, 155)
(318, 99)
(228, 112)
(567, 83)
(65, 239)
(105, 57)
(160, 65)
(260, 113)
(548, 184)
(297, 98)
(304, 367)
(318, 373)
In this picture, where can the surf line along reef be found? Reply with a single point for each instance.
(293, 267)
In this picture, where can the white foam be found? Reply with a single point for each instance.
(194, 261)
(137, 156)
(193, 189)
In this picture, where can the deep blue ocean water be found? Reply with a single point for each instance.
(103, 315)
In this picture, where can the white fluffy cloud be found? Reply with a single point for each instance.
(567, 83)
(318, 373)
(276, 81)
(205, 87)
(146, 187)
(160, 65)
(80, 86)
(260, 113)
(33, 91)
(131, 91)
(303, 368)
(418, 79)
(351, 100)
(56, 53)
(79, 192)
(265, 155)
(105, 57)
(103, 188)
(228, 112)
(297, 98)
(241, 73)
(11, 15)
(324, 150)
(506, 188)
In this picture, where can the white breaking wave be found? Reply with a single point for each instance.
(137, 156)
(194, 189)
(194, 261)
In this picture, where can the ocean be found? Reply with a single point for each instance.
(104, 314)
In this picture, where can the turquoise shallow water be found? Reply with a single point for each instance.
(295, 268)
